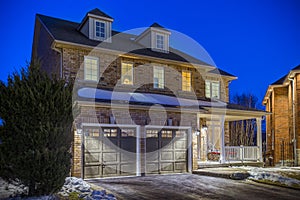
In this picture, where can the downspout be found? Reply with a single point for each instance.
(294, 121)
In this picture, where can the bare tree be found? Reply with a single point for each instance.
(242, 132)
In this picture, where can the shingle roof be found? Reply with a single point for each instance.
(98, 12)
(296, 68)
(67, 31)
(221, 72)
(280, 81)
(240, 107)
(156, 25)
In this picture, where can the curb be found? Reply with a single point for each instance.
(228, 175)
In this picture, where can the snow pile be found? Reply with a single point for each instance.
(15, 188)
(273, 175)
(83, 189)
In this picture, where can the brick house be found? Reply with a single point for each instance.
(146, 108)
(282, 100)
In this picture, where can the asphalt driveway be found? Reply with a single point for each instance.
(190, 186)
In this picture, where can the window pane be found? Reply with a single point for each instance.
(215, 87)
(158, 77)
(207, 89)
(127, 73)
(159, 41)
(186, 81)
(91, 68)
(100, 29)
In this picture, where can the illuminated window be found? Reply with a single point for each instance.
(158, 77)
(160, 41)
(127, 73)
(100, 29)
(186, 81)
(91, 68)
(212, 89)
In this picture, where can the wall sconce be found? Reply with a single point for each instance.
(197, 132)
(204, 127)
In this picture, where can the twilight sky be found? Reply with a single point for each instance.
(256, 40)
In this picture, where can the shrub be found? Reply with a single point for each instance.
(36, 114)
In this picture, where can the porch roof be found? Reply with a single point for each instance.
(101, 95)
(209, 108)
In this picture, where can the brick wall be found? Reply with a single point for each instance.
(110, 71)
(281, 120)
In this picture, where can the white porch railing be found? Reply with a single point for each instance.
(241, 153)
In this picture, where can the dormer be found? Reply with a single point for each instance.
(96, 25)
(155, 37)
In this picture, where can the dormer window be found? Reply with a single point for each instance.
(99, 29)
(96, 25)
(160, 41)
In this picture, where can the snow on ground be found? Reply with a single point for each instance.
(276, 175)
(72, 185)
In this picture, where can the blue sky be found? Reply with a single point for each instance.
(257, 40)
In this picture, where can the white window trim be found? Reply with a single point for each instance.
(98, 68)
(210, 86)
(95, 21)
(163, 84)
(186, 71)
(122, 78)
(163, 40)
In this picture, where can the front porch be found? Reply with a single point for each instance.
(213, 141)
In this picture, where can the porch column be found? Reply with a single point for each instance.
(222, 149)
(259, 139)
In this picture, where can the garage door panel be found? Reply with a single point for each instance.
(92, 144)
(110, 170)
(167, 167)
(166, 143)
(92, 171)
(92, 157)
(152, 144)
(167, 155)
(110, 150)
(128, 144)
(128, 168)
(180, 155)
(180, 144)
(171, 151)
(110, 157)
(181, 167)
(152, 167)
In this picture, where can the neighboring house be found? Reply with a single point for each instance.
(145, 106)
(282, 100)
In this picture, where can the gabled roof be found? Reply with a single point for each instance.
(67, 31)
(99, 13)
(156, 25)
(221, 72)
(280, 81)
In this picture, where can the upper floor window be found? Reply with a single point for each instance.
(99, 29)
(186, 81)
(160, 40)
(212, 89)
(91, 68)
(127, 73)
(158, 77)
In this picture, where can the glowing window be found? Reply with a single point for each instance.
(186, 81)
(127, 73)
